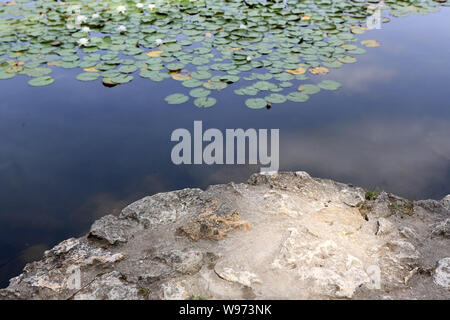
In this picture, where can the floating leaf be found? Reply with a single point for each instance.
(332, 64)
(37, 72)
(299, 70)
(309, 88)
(264, 85)
(275, 98)
(347, 59)
(358, 30)
(41, 81)
(201, 75)
(192, 83)
(319, 70)
(175, 66)
(6, 75)
(154, 53)
(128, 69)
(199, 93)
(181, 76)
(329, 85)
(176, 98)
(215, 85)
(205, 102)
(370, 43)
(88, 76)
(297, 97)
(256, 103)
(91, 69)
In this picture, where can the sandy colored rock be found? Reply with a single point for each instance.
(279, 236)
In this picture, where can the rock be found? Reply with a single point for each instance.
(446, 202)
(442, 229)
(110, 286)
(112, 229)
(408, 233)
(279, 236)
(384, 227)
(442, 273)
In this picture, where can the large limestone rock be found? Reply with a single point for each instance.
(280, 236)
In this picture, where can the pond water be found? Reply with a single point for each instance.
(74, 151)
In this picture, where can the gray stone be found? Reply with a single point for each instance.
(279, 236)
(442, 273)
(442, 228)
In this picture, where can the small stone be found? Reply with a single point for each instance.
(442, 273)
(442, 229)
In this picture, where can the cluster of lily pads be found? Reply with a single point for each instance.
(207, 45)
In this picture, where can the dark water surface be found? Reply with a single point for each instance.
(73, 151)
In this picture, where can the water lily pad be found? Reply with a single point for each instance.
(176, 98)
(264, 85)
(215, 85)
(309, 88)
(329, 85)
(370, 43)
(6, 75)
(299, 70)
(121, 78)
(181, 76)
(332, 64)
(128, 69)
(319, 70)
(192, 83)
(41, 81)
(347, 59)
(256, 103)
(154, 53)
(297, 97)
(199, 93)
(175, 66)
(205, 102)
(88, 76)
(201, 75)
(275, 98)
(37, 72)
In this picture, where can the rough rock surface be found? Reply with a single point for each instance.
(280, 236)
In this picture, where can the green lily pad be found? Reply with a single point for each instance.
(275, 98)
(215, 85)
(175, 66)
(192, 83)
(6, 75)
(41, 81)
(256, 103)
(37, 72)
(199, 93)
(176, 98)
(201, 75)
(205, 102)
(128, 69)
(309, 88)
(297, 97)
(121, 78)
(88, 76)
(347, 59)
(329, 85)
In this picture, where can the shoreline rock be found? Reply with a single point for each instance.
(280, 236)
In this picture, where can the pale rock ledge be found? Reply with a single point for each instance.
(280, 236)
